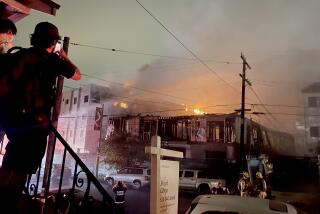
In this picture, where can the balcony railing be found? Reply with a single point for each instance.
(78, 182)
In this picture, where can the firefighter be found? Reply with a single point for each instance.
(244, 184)
(260, 186)
(119, 190)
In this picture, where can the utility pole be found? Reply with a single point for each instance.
(245, 65)
(54, 121)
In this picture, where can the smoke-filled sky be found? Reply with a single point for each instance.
(280, 39)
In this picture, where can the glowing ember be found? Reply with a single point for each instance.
(123, 105)
(120, 105)
(198, 111)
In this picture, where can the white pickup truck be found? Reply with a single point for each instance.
(199, 181)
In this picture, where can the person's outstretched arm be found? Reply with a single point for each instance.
(77, 73)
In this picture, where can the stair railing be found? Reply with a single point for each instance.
(32, 188)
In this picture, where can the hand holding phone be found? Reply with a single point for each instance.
(57, 48)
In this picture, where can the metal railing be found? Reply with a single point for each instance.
(32, 187)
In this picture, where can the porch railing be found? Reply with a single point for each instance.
(80, 168)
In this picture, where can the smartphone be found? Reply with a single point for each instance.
(57, 48)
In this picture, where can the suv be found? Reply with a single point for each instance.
(135, 176)
(199, 182)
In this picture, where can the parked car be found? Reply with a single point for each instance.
(199, 181)
(133, 176)
(56, 171)
(235, 204)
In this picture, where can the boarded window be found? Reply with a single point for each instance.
(314, 131)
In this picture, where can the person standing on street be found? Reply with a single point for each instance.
(119, 190)
(35, 78)
(260, 186)
(244, 184)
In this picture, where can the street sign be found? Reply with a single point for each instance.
(164, 179)
(169, 181)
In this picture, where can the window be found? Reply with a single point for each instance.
(70, 133)
(75, 100)
(123, 171)
(313, 101)
(147, 127)
(148, 172)
(201, 175)
(139, 171)
(314, 131)
(67, 101)
(86, 99)
(135, 171)
(180, 174)
(188, 174)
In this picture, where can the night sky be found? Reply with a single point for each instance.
(279, 38)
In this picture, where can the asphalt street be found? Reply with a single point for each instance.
(138, 201)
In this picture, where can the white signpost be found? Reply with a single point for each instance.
(164, 179)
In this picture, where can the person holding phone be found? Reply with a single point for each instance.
(35, 79)
(8, 31)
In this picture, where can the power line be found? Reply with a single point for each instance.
(139, 101)
(137, 88)
(275, 105)
(266, 109)
(188, 49)
(130, 99)
(289, 114)
(148, 54)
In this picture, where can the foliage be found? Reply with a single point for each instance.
(123, 150)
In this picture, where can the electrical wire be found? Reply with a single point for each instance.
(148, 54)
(188, 49)
(137, 88)
(267, 110)
(275, 105)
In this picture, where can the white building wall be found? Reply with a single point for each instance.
(65, 104)
(312, 120)
(77, 119)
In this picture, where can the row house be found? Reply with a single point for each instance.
(311, 96)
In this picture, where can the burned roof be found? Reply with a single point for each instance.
(313, 88)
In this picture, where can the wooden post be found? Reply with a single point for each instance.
(155, 176)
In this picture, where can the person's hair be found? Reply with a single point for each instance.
(7, 25)
(120, 184)
(45, 35)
